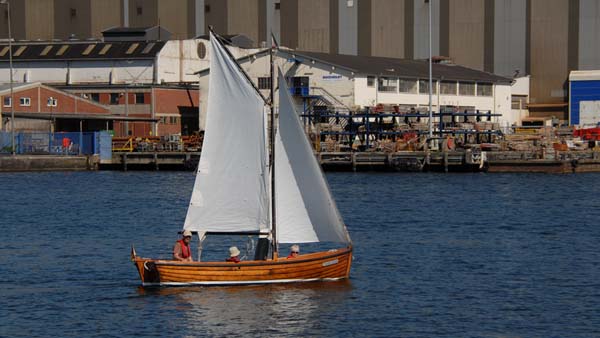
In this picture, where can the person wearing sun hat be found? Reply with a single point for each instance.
(294, 251)
(234, 255)
(181, 250)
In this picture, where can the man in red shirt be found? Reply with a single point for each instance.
(181, 250)
(234, 254)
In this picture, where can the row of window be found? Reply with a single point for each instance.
(169, 120)
(53, 102)
(26, 102)
(394, 85)
(138, 98)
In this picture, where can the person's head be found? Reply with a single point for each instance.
(234, 252)
(187, 236)
(295, 250)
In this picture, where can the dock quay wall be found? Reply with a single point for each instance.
(10, 163)
(463, 161)
(403, 161)
(155, 160)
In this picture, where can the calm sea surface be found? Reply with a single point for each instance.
(436, 255)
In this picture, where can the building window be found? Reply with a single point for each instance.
(448, 88)
(264, 83)
(370, 81)
(52, 102)
(114, 98)
(95, 97)
(518, 101)
(407, 86)
(277, 5)
(7, 101)
(25, 101)
(73, 12)
(466, 88)
(139, 98)
(484, 89)
(206, 8)
(139, 10)
(173, 120)
(387, 84)
(201, 50)
(424, 87)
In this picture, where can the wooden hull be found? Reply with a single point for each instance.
(321, 266)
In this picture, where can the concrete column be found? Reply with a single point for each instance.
(589, 39)
(348, 27)
(421, 30)
(510, 34)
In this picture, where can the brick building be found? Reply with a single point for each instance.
(38, 107)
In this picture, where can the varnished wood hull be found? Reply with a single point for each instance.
(321, 266)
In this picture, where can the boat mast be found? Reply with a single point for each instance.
(272, 146)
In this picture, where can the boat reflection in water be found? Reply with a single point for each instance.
(279, 309)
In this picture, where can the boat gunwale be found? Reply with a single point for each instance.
(337, 253)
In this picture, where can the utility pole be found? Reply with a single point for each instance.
(12, 101)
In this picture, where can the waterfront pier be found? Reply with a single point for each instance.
(180, 160)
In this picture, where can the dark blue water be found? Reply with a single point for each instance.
(469, 255)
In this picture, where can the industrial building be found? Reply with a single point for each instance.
(38, 107)
(345, 83)
(543, 39)
(132, 71)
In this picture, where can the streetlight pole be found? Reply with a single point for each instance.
(12, 101)
(430, 77)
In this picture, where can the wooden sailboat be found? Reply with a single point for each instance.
(238, 190)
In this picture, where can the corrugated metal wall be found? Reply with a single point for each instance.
(582, 91)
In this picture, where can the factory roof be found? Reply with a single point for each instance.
(385, 66)
(80, 50)
(584, 75)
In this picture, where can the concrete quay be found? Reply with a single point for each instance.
(463, 161)
(10, 163)
(151, 161)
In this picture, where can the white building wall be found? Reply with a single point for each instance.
(74, 72)
(53, 72)
(500, 102)
(364, 95)
(327, 82)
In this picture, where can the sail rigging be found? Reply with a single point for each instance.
(230, 193)
(306, 211)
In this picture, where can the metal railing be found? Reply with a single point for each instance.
(45, 143)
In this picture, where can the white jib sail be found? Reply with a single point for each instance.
(306, 211)
(230, 192)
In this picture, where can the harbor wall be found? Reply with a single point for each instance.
(48, 163)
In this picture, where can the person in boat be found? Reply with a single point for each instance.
(294, 251)
(234, 255)
(181, 250)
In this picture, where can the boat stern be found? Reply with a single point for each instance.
(146, 268)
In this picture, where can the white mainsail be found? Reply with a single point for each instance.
(230, 192)
(306, 211)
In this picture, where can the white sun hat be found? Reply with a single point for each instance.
(233, 251)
